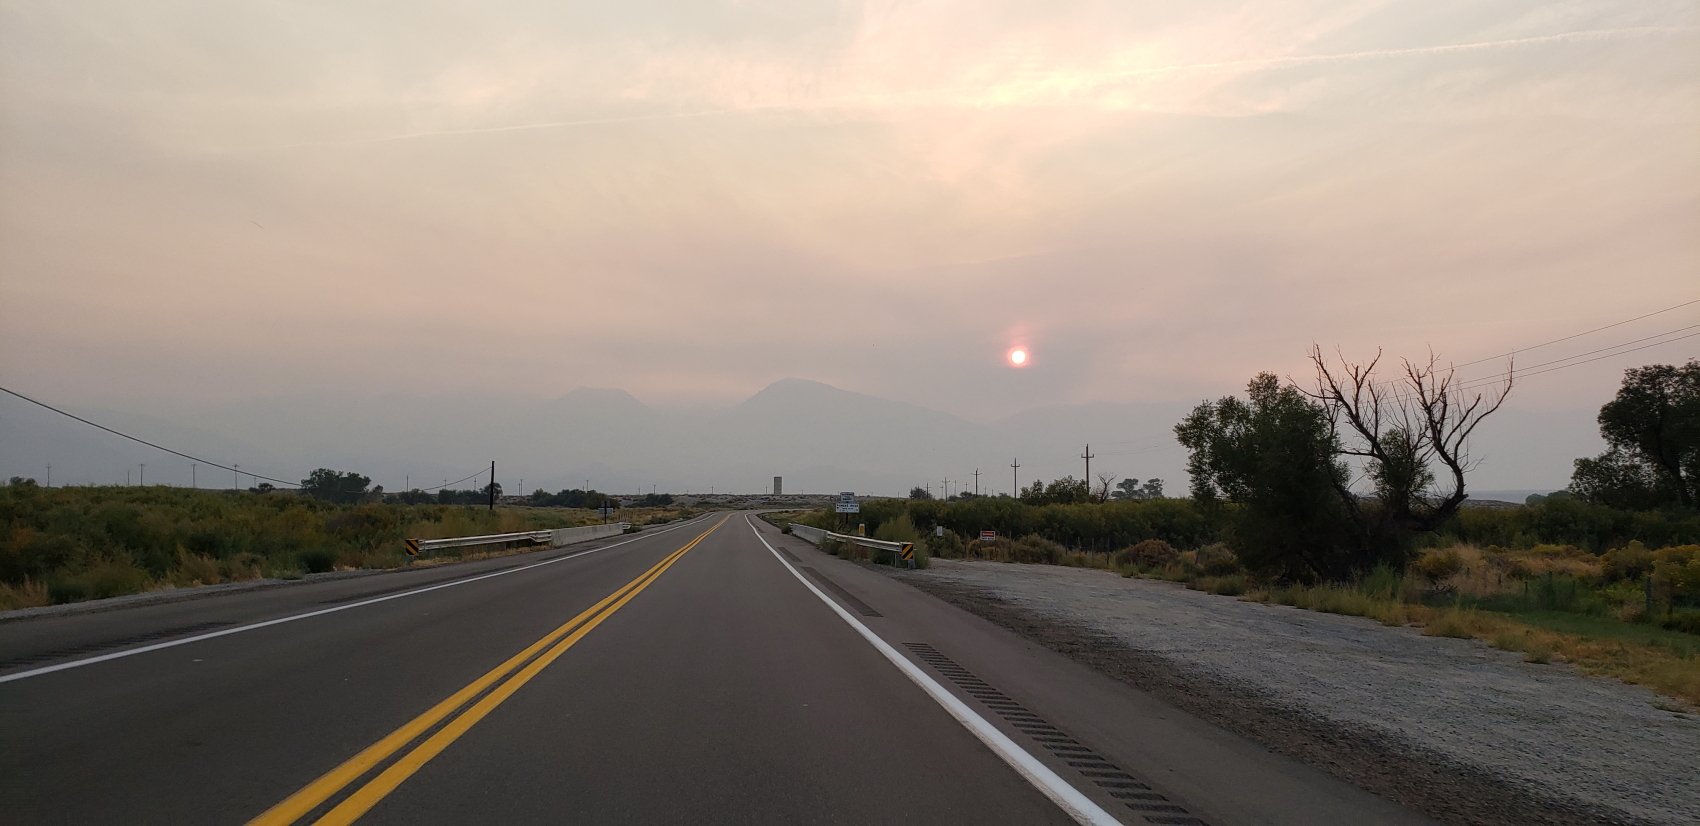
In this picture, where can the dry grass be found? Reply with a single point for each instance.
(1661, 668)
(27, 594)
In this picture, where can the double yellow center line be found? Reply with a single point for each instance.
(528, 664)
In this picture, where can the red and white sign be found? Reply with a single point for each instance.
(987, 536)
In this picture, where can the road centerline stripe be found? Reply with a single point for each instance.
(130, 652)
(526, 662)
(1067, 797)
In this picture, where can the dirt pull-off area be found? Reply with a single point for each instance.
(1464, 732)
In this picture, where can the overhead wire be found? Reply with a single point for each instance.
(1534, 369)
(475, 474)
(146, 442)
(1579, 335)
(1495, 379)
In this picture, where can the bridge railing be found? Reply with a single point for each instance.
(552, 538)
(815, 536)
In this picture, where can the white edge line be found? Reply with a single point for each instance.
(130, 652)
(1077, 805)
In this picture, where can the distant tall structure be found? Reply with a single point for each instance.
(778, 485)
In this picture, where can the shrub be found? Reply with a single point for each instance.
(1688, 622)
(1216, 560)
(1437, 565)
(948, 546)
(195, 570)
(317, 560)
(1151, 553)
(61, 591)
(1679, 566)
(1632, 561)
(1035, 550)
(901, 529)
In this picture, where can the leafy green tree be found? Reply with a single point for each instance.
(1275, 456)
(1652, 428)
(331, 486)
(1132, 489)
(1033, 494)
(1069, 491)
(1065, 491)
(919, 492)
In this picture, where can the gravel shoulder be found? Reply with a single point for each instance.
(1454, 728)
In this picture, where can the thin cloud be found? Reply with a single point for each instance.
(1058, 80)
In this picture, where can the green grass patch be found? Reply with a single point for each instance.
(1605, 628)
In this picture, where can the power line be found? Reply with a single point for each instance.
(1471, 384)
(1493, 380)
(475, 474)
(1536, 367)
(142, 441)
(1579, 335)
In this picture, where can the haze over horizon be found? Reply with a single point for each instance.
(209, 210)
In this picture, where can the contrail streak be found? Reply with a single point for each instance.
(1258, 62)
(1100, 77)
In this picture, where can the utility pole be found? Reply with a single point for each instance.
(236, 476)
(144, 474)
(1014, 476)
(944, 488)
(976, 481)
(1088, 457)
(492, 485)
(522, 486)
(50, 476)
(192, 482)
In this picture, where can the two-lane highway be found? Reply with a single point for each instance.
(714, 672)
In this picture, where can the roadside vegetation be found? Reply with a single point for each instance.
(67, 544)
(1604, 575)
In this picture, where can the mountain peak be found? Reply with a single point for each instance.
(794, 386)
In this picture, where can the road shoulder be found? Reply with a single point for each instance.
(1397, 768)
(1213, 775)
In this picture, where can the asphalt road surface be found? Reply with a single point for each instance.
(712, 672)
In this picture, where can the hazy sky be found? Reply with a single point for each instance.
(689, 200)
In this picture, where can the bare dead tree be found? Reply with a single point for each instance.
(1104, 480)
(1402, 428)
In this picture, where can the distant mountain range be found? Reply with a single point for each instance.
(818, 437)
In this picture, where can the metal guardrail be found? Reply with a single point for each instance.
(814, 536)
(552, 538)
